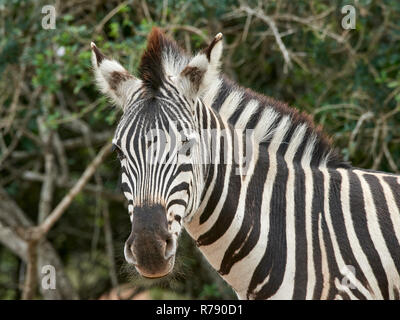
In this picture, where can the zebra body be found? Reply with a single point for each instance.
(287, 220)
(335, 230)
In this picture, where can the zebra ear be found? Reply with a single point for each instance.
(113, 79)
(203, 69)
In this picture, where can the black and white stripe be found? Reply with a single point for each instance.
(305, 226)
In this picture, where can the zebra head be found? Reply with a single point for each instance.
(158, 141)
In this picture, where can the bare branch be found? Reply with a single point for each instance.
(12, 217)
(271, 23)
(111, 14)
(95, 189)
(46, 193)
(66, 201)
(191, 29)
(80, 142)
(109, 245)
(31, 272)
(61, 156)
(12, 241)
(315, 27)
(146, 10)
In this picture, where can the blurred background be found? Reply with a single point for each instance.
(53, 121)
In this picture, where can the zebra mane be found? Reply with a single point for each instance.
(323, 149)
(161, 55)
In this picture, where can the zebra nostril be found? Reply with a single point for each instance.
(129, 254)
(169, 248)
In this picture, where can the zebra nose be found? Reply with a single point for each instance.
(151, 246)
(166, 245)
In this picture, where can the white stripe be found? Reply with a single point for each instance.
(354, 241)
(309, 190)
(214, 252)
(264, 130)
(331, 232)
(287, 286)
(192, 226)
(377, 236)
(250, 108)
(392, 207)
(207, 225)
(210, 94)
(259, 251)
(324, 260)
(230, 104)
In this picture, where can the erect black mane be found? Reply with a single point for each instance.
(151, 69)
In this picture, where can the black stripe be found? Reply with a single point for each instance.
(210, 166)
(221, 171)
(300, 279)
(132, 95)
(184, 186)
(236, 114)
(187, 167)
(395, 187)
(253, 120)
(273, 262)
(300, 286)
(227, 213)
(345, 296)
(125, 187)
(229, 207)
(250, 227)
(222, 94)
(385, 222)
(361, 228)
(176, 201)
(341, 233)
(330, 255)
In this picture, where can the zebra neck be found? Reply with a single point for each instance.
(226, 226)
(245, 109)
(240, 195)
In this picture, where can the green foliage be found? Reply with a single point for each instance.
(348, 79)
(210, 291)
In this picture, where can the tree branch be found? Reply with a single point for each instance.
(56, 214)
(271, 23)
(95, 189)
(12, 218)
(31, 272)
(33, 235)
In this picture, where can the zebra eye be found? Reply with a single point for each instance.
(119, 152)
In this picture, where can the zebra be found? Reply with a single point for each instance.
(288, 219)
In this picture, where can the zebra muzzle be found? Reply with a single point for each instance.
(150, 247)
